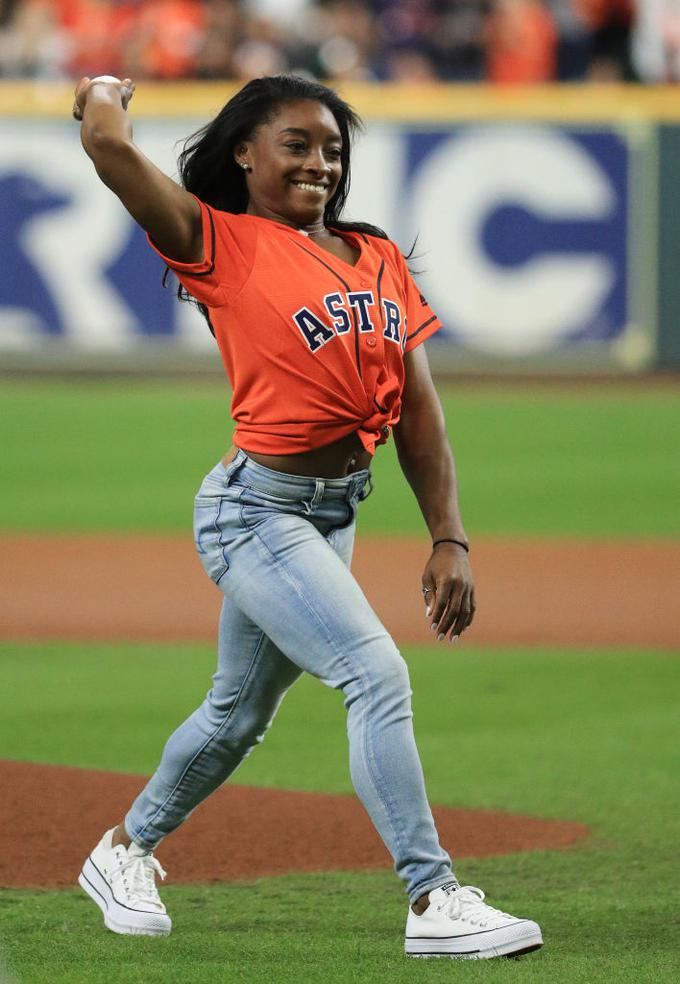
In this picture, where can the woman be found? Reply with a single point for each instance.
(319, 325)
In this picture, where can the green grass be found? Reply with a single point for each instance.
(340, 928)
(129, 455)
(590, 736)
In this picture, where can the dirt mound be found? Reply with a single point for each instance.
(240, 832)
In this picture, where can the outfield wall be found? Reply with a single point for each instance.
(541, 236)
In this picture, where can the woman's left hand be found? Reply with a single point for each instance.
(449, 591)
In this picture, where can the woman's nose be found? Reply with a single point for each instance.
(317, 162)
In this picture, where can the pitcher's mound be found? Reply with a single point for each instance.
(52, 816)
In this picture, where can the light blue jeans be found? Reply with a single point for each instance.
(279, 548)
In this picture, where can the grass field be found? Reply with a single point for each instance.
(590, 736)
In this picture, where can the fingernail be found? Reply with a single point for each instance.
(433, 626)
(440, 637)
(428, 611)
(455, 639)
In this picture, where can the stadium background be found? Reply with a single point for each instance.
(520, 143)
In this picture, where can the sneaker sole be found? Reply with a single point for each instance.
(118, 918)
(429, 948)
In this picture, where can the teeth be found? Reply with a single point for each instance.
(310, 187)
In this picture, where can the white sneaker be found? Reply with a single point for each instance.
(458, 923)
(122, 882)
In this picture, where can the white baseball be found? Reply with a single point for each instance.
(105, 78)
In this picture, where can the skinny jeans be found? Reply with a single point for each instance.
(279, 548)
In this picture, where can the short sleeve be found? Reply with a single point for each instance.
(421, 321)
(228, 253)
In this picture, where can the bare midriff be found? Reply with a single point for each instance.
(334, 460)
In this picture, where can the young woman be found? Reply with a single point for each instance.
(320, 327)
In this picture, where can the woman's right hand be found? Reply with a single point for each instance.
(126, 88)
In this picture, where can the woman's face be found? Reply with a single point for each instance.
(294, 163)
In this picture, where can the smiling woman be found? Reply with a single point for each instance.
(320, 326)
(302, 148)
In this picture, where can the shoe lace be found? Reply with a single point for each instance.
(138, 875)
(467, 903)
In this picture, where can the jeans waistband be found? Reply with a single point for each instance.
(357, 485)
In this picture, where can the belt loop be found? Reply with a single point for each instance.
(319, 488)
(363, 494)
(234, 466)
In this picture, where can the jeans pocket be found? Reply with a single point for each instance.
(256, 507)
(208, 535)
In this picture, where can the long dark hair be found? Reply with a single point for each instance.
(208, 169)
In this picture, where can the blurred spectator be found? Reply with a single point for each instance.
(261, 52)
(574, 44)
(522, 42)
(409, 63)
(222, 31)
(656, 40)
(337, 41)
(97, 32)
(594, 39)
(32, 43)
(610, 23)
(430, 40)
(164, 39)
(460, 40)
(283, 13)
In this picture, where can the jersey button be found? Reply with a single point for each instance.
(365, 283)
(371, 342)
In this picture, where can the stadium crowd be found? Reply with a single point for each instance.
(499, 41)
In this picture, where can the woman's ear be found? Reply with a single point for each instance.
(241, 156)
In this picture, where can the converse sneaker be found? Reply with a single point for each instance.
(458, 923)
(122, 882)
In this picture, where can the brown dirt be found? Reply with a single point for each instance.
(563, 593)
(239, 832)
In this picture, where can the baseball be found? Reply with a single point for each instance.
(105, 78)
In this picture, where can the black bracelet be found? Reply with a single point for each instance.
(461, 543)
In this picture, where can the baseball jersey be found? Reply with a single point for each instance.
(313, 346)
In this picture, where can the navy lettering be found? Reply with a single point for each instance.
(338, 312)
(360, 300)
(392, 321)
(345, 309)
(313, 330)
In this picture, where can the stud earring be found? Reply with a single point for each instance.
(246, 167)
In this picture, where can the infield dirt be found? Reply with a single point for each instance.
(529, 592)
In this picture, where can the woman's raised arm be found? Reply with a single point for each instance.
(170, 215)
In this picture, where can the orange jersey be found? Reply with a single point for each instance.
(313, 347)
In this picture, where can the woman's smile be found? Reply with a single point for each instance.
(317, 189)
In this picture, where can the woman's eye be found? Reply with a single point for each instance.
(334, 154)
